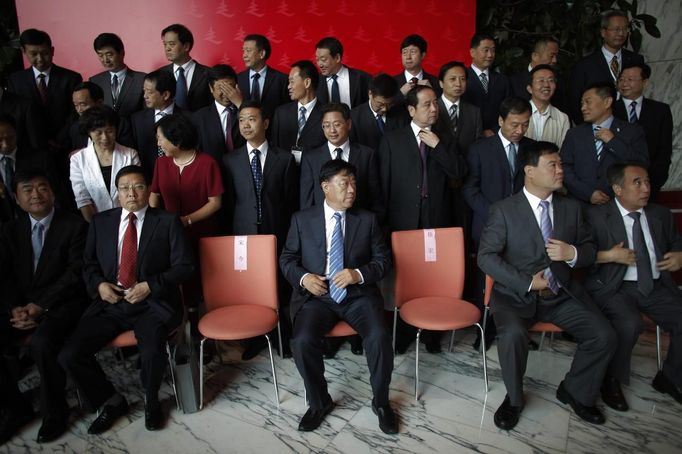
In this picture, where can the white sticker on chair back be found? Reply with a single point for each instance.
(240, 253)
(430, 245)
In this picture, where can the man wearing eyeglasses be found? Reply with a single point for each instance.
(135, 258)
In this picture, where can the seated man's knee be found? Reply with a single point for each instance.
(303, 341)
(512, 334)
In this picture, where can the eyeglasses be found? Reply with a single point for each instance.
(132, 187)
(629, 79)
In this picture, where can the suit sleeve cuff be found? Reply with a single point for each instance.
(362, 278)
(300, 283)
(572, 263)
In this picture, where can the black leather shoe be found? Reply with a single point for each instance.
(313, 418)
(107, 417)
(612, 395)
(533, 346)
(507, 416)
(590, 414)
(331, 347)
(356, 345)
(153, 416)
(11, 422)
(253, 348)
(52, 428)
(387, 420)
(663, 385)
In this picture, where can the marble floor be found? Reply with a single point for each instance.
(453, 415)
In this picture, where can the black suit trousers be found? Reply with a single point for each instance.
(596, 345)
(95, 331)
(624, 310)
(316, 318)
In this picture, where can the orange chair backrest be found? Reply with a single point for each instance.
(225, 286)
(415, 277)
(488, 289)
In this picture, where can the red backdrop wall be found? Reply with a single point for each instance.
(370, 30)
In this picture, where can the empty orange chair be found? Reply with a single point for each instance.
(429, 285)
(240, 303)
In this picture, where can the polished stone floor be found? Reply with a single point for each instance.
(453, 414)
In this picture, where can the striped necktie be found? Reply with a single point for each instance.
(301, 120)
(598, 144)
(336, 260)
(484, 81)
(547, 231)
(633, 112)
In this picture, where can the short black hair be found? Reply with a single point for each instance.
(514, 105)
(131, 170)
(108, 40)
(414, 40)
(221, 71)
(603, 90)
(94, 90)
(163, 81)
(179, 131)
(529, 155)
(339, 107)
(536, 68)
(253, 104)
(384, 85)
(448, 66)
(262, 43)
(9, 120)
(308, 71)
(34, 37)
(411, 98)
(30, 173)
(645, 69)
(609, 13)
(478, 37)
(184, 34)
(332, 44)
(97, 117)
(615, 174)
(334, 167)
(542, 42)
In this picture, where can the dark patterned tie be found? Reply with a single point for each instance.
(336, 96)
(181, 89)
(255, 87)
(339, 153)
(633, 112)
(229, 143)
(127, 270)
(484, 81)
(645, 278)
(380, 124)
(425, 176)
(114, 89)
(453, 116)
(615, 67)
(598, 143)
(257, 182)
(42, 88)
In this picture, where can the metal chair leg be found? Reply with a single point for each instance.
(551, 340)
(274, 373)
(279, 338)
(542, 340)
(170, 364)
(201, 373)
(395, 323)
(452, 340)
(416, 367)
(485, 360)
(485, 318)
(659, 360)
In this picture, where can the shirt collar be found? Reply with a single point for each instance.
(623, 211)
(534, 200)
(447, 103)
(535, 109)
(479, 71)
(167, 111)
(139, 214)
(46, 221)
(308, 107)
(36, 73)
(120, 74)
(187, 66)
(627, 102)
(342, 73)
(609, 56)
(345, 147)
(12, 155)
(263, 148)
(221, 109)
(262, 72)
(505, 141)
(329, 212)
(409, 76)
(416, 129)
(606, 123)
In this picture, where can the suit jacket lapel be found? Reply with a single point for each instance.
(266, 85)
(125, 89)
(270, 163)
(352, 224)
(150, 222)
(656, 230)
(24, 244)
(559, 209)
(616, 226)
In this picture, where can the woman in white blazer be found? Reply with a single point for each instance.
(94, 168)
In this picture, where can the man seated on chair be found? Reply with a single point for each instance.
(43, 296)
(531, 263)
(333, 257)
(638, 247)
(135, 258)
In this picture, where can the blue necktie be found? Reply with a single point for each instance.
(37, 242)
(380, 123)
(257, 181)
(645, 278)
(336, 97)
(181, 89)
(255, 88)
(599, 145)
(633, 112)
(546, 229)
(336, 260)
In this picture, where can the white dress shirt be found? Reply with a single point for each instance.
(189, 71)
(638, 107)
(123, 225)
(343, 80)
(37, 73)
(345, 150)
(263, 148)
(261, 82)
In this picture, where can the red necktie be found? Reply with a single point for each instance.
(127, 270)
(42, 88)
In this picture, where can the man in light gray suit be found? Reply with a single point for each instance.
(531, 263)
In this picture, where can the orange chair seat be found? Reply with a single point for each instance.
(238, 322)
(545, 328)
(439, 313)
(125, 339)
(341, 329)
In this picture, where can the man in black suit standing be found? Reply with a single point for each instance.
(340, 83)
(638, 248)
(590, 148)
(531, 242)
(41, 259)
(260, 82)
(334, 256)
(654, 117)
(296, 126)
(380, 113)
(191, 77)
(122, 87)
(262, 184)
(412, 53)
(486, 89)
(135, 259)
(604, 64)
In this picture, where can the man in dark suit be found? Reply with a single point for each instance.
(412, 53)
(380, 113)
(604, 64)
(28, 117)
(589, 149)
(334, 256)
(191, 77)
(270, 87)
(262, 184)
(135, 258)
(654, 117)
(45, 83)
(122, 87)
(339, 82)
(486, 89)
(530, 243)
(639, 247)
(41, 258)
(296, 126)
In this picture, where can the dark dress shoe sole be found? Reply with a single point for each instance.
(584, 413)
(387, 427)
(308, 423)
(107, 418)
(663, 385)
(507, 417)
